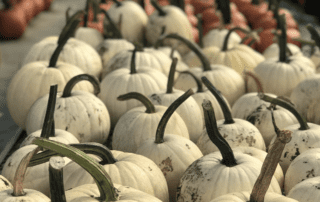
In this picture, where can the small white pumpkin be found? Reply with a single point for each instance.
(89, 35)
(306, 191)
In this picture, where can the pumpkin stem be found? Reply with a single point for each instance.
(66, 33)
(48, 123)
(314, 34)
(76, 79)
(224, 7)
(200, 28)
(133, 69)
(20, 173)
(282, 39)
(217, 94)
(96, 10)
(255, 2)
(56, 164)
(193, 46)
(198, 82)
(118, 3)
(226, 39)
(158, 8)
(303, 123)
(270, 163)
(178, 3)
(90, 147)
(85, 16)
(228, 158)
(6, 3)
(142, 98)
(255, 78)
(171, 75)
(67, 14)
(167, 114)
(101, 177)
(111, 30)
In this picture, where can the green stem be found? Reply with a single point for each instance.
(57, 192)
(226, 39)
(166, 116)
(133, 69)
(193, 46)
(158, 8)
(76, 79)
(179, 3)
(150, 108)
(199, 26)
(225, 109)
(101, 177)
(276, 12)
(314, 34)
(66, 33)
(90, 147)
(171, 75)
(48, 122)
(283, 39)
(255, 2)
(118, 3)
(85, 17)
(96, 9)
(20, 173)
(303, 123)
(228, 158)
(112, 28)
(7, 4)
(224, 7)
(67, 14)
(198, 82)
(270, 163)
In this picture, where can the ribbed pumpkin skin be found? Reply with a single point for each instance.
(281, 78)
(305, 166)
(240, 133)
(229, 82)
(173, 157)
(75, 52)
(33, 81)
(31, 196)
(82, 114)
(205, 178)
(120, 81)
(126, 194)
(131, 170)
(245, 196)
(135, 126)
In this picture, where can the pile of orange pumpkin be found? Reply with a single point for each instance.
(139, 111)
(16, 14)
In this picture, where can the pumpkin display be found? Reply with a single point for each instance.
(304, 167)
(78, 112)
(237, 132)
(165, 20)
(306, 191)
(212, 169)
(227, 80)
(171, 152)
(18, 193)
(140, 123)
(141, 80)
(281, 75)
(305, 135)
(33, 80)
(122, 12)
(167, 96)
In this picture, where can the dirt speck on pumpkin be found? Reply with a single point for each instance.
(250, 140)
(155, 97)
(166, 166)
(187, 146)
(310, 173)
(5, 182)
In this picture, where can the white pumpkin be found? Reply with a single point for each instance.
(89, 35)
(273, 50)
(215, 37)
(306, 191)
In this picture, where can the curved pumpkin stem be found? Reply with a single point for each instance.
(224, 7)
(228, 158)
(226, 39)
(199, 26)
(101, 177)
(270, 164)
(314, 34)
(142, 98)
(198, 82)
(303, 123)
(90, 148)
(20, 173)
(171, 75)
(76, 79)
(158, 8)
(118, 3)
(225, 109)
(66, 33)
(168, 113)
(115, 32)
(193, 46)
(255, 78)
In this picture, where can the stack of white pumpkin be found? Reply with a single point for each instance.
(123, 67)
